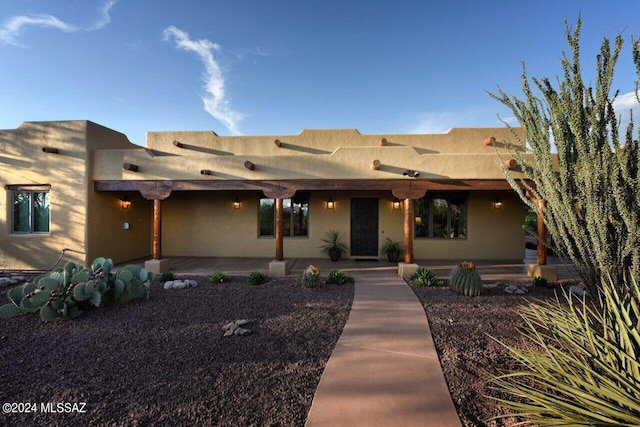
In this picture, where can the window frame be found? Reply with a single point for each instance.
(448, 198)
(31, 190)
(289, 214)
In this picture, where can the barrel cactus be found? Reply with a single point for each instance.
(465, 279)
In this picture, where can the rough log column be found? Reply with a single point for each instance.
(408, 229)
(157, 228)
(542, 234)
(279, 228)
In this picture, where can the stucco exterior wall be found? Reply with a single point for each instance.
(335, 154)
(206, 224)
(79, 217)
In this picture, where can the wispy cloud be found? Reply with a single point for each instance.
(442, 121)
(433, 122)
(624, 105)
(105, 17)
(11, 29)
(14, 27)
(215, 102)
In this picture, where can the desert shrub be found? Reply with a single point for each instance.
(425, 277)
(540, 281)
(582, 366)
(588, 193)
(310, 277)
(166, 276)
(338, 277)
(219, 277)
(258, 278)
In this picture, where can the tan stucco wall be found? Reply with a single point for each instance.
(314, 154)
(205, 223)
(214, 228)
(78, 215)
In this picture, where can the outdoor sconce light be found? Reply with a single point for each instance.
(125, 203)
(411, 173)
(396, 204)
(236, 203)
(330, 204)
(497, 203)
(50, 150)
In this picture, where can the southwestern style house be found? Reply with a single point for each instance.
(79, 186)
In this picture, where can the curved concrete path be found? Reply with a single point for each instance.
(384, 370)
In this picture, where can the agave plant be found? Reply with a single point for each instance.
(583, 367)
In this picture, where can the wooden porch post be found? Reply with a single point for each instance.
(542, 234)
(408, 229)
(157, 225)
(279, 227)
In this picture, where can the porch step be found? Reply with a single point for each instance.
(365, 258)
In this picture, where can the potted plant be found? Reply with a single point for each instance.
(332, 245)
(391, 249)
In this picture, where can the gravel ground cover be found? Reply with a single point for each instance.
(165, 361)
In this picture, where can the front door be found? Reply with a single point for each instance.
(364, 227)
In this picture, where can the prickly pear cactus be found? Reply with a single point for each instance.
(465, 279)
(67, 292)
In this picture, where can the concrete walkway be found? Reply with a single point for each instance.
(384, 370)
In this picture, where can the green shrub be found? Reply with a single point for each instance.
(166, 276)
(310, 277)
(542, 282)
(582, 363)
(219, 277)
(425, 277)
(257, 278)
(338, 277)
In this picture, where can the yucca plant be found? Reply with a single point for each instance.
(583, 364)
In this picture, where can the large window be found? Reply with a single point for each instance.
(30, 211)
(441, 217)
(295, 216)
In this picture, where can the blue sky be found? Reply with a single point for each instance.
(261, 67)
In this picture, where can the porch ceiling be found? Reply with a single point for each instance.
(401, 188)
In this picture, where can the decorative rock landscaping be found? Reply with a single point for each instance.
(577, 290)
(180, 284)
(518, 290)
(235, 328)
(13, 280)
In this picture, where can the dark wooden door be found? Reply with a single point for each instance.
(364, 227)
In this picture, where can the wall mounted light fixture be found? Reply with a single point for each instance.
(396, 204)
(236, 203)
(497, 203)
(330, 204)
(125, 203)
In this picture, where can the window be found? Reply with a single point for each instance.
(441, 217)
(30, 211)
(295, 216)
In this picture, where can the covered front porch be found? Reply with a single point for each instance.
(489, 269)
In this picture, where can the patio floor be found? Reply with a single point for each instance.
(490, 270)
